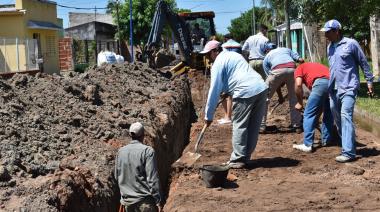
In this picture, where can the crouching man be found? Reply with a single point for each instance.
(316, 77)
(231, 74)
(136, 174)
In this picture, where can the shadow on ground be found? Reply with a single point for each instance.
(368, 152)
(276, 162)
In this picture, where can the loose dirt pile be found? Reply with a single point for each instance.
(59, 134)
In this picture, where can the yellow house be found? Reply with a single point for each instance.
(29, 32)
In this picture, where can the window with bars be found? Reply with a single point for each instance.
(51, 49)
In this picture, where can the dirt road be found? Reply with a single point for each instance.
(278, 177)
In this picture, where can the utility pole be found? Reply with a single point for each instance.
(253, 19)
(287, 21)
(118, 27)
(131, 29)
(96, 39)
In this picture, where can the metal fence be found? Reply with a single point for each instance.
(85, 51)
(18, 55)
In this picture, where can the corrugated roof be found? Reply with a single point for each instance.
(42, 25)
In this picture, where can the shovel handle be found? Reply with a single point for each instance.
(200, 137)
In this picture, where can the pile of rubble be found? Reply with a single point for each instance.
(59, 134)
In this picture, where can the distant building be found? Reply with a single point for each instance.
(29, 32)
(76, 19)
(306, 40)
(92, 33)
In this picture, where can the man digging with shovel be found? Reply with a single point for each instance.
(231, 74)
(316, 77)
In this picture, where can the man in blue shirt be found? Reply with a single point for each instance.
(345, 55)
(255, 44)
(279, 64)
(230, 44)
(231, 74)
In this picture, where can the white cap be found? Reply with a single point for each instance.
(137, 129)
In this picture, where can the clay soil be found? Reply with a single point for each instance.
(59, 134)
(278, 177)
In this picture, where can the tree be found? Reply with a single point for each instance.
(142, 16)
(352, 14)
(240, 27)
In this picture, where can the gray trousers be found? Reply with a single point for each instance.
(274, 80)
(246, 119)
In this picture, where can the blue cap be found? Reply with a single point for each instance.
(270, 46)
(332, 24)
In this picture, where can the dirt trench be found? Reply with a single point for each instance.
(59, 134)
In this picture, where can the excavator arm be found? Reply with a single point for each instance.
(164, 15)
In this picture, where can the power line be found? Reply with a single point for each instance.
(224, 12)
(82, 8)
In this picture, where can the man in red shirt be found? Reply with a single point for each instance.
(316, 77)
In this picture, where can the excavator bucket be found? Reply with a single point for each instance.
(163, 58)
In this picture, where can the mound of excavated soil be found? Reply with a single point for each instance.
(59, 134)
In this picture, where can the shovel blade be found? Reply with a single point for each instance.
(188, 159)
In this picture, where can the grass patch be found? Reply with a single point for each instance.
(371, 105)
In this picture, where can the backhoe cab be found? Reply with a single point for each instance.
(191, 31)
(202, 28)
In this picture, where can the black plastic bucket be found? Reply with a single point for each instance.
(214, 175)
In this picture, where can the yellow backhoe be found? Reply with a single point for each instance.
(191, 31)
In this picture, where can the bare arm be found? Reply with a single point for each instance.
(299, 93)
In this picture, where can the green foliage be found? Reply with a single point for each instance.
(241, 27)
(142, 16)
(371, 105)
(183, 11)
(219, 37)
(352, 14)
(324, 61)
(81, 68)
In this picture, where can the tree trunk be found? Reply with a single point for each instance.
(287, 21)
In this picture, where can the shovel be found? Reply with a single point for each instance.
(276, 106)
(189, 158)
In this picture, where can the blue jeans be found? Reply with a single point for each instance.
(342, 107)
(317, 103)
(247, 114)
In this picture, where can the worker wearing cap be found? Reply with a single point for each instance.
(345, 55)
(231, 74)
(255, 45)
(136, 174)
(279, 64)
(230, 44)
(316, 77)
